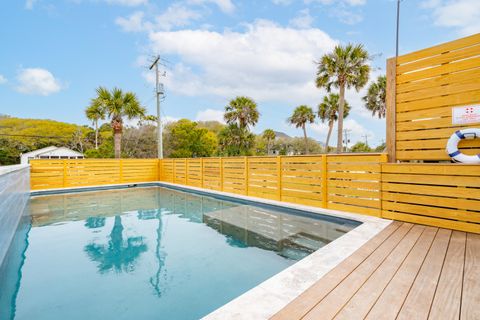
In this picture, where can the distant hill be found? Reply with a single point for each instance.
(279, 134)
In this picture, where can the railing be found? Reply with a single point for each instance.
(443, 195)
(349, 182)
(51, 174)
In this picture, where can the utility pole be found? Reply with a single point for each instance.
(158, 93)
(365, 136)
(346, 140)
(398, 27)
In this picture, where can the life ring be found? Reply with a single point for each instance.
(452, 145)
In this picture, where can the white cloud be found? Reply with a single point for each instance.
(129, 3)
(267, 62)
(343, 9)
(303, 20)
(37, 81)
(226, 6)
(464, 15)
(176, 15)
(29, 4)
(346, 16)
(344, 2)
(2, 79)
(210, 115)
(133, 23)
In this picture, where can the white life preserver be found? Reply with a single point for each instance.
(452, 145)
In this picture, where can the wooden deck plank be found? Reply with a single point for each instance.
(471, 279)
(360, 304)
(392, 298)
(336, 299)
(419, 299)
(307, 300)
(447, 301)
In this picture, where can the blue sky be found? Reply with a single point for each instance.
(53, 54)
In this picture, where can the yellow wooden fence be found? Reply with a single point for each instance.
(422, 88)
(349, 182)
(50, 174)
(444, 195)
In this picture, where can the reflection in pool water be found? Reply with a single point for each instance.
(148, 253)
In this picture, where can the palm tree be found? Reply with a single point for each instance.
(328, 111)
(300, 117)
(243, 111)
(94, 113)
(117, 105)
(269, 136)
(345, 67)
(375, 98)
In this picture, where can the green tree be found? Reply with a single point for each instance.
(300, 117)
(360, 147)
(328, 111)
(235, 141)
(268, 135)
(118, 105)
(381, 147)
(344, 68)
(186, 140)
(375, 100)
(94, 113)
(242, 111)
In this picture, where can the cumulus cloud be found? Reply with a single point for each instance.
(2, 79)
(37, 81)
(210, 115)
(176, 15)
(266, 61)
(226, 6)
(463, 15)
(302, 20)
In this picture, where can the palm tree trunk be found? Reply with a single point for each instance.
(341, 105)
(96, 134)
(305, 137)
(330, 127)
(117, 138)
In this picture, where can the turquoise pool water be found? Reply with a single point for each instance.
(149, 253)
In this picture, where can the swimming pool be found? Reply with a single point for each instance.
(150, 253)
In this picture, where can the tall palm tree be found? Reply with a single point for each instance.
(328, 111)
(345, 67)
(375, 100)
(269, 136)
(94, 113)
(117, 105)
(300, 117)
(243, 111)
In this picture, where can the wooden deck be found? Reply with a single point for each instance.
(406, 272)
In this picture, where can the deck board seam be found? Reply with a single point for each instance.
(463, 275)
(397, 225)
(416, 275)
(439, 275)
(396, 271)
(383, 260)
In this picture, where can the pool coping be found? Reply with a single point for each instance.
(272, 295)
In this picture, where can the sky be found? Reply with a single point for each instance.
(53, 54)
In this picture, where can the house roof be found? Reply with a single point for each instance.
(52, 150)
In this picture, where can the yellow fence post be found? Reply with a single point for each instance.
(246, 176)
(221, 173)
(279, 176)
(64, 173)
(324, 182)
(201, 171)
(159, 169)
(186, 171)
(121, 170)
(391, 108)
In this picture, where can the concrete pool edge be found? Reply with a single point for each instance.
(270, 296)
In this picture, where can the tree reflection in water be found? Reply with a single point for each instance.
(118, 254)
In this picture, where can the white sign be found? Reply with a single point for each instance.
(466, 115)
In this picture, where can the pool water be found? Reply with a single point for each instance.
(149, 253)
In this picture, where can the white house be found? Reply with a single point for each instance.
(51, 152)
